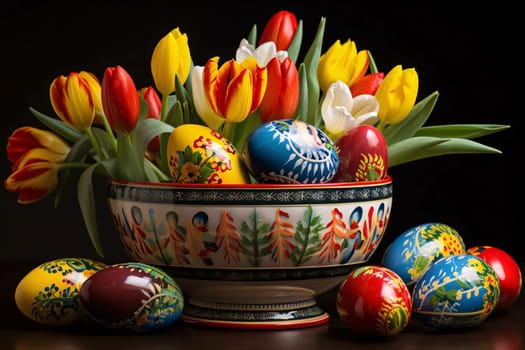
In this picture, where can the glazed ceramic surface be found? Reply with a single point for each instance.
(48, 294)
(458, 291)
(257, 251)
(132, 296)
(414, 250)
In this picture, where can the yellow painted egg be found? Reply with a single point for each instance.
(199, 154)
(48, 294)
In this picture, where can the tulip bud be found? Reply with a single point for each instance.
(280, 29)
(397, 95)
(120, 100)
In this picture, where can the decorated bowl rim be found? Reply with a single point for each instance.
(173, 185)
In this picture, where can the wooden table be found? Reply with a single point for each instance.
(503, 330)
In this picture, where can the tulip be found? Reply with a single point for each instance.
(397, 95)
(203, 108)
(154, 103)
(234, 90)
(120, 100)
(282, 91)
(341, 112)
(72, 100)
(96, 94)
(280, 29)
(35, 174)
(263, 53)
(171, 57)
(367, 84)
(342, 62)
(25, 139)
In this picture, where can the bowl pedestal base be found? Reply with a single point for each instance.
(253, 306)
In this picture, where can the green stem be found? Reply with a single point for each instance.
(95, 144)
(162, 176)
(164, 109)
(109, 131)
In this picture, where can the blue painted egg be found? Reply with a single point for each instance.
(290, 151)
(458, 291)
(132, 296)
(414, 250)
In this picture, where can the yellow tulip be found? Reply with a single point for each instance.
(234, 90)
(171, 57)
(35, 175)
(342, 62)
(397, 95)
(72, 100)
(96, 94)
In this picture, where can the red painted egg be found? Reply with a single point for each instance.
(363, 155)
(507, 270)
(374, 300)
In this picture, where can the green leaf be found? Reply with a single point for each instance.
(175, 115)
(295, 46)
(106, 142)
(302, 107)
(413, 121)
(311, 62)
(128, 164)
(58, 126)
(78, 154)
(372, 65)
(467, 131)
(86, 200)
(420, 147)
(252, 36)
(145, 131)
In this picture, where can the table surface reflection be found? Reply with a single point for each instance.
(503, 330)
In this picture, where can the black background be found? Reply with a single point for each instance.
(469, 54)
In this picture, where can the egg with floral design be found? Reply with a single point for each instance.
(132, 296)
(290, 151)
(363, 155)
(374, 300)
(457, 291)
(48, 294)
(507, 269)
(410, 253)
(200, 155)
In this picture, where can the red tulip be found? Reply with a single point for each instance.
(282, 90)
(280, 29)
(367, 84)
(154, 103)
(120, 100)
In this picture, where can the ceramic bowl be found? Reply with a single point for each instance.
(252, 256)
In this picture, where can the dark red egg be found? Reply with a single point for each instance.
(132, 296)
(507, 270)
(363, 155)
(374, 300)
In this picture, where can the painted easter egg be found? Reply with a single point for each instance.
(48, 294)
(363, 155)
(507, 270)
(290, 151)
(457, 291)
(132, 296)
(199, 154)
(374, 300)
(410, 253)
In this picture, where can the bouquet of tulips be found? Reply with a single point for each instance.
(112, 128)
